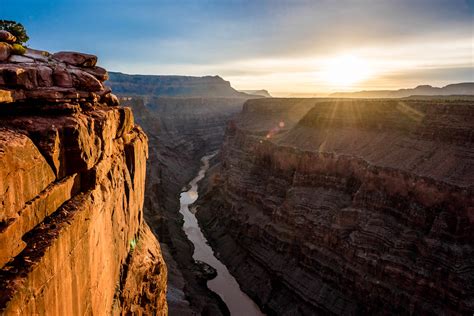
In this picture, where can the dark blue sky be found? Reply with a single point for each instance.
(281, 45)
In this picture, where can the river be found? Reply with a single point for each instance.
(224, 284)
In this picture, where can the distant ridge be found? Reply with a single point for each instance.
(465, 88)
(262, 92)
(172, 86)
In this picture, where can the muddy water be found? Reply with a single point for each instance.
(224, 284)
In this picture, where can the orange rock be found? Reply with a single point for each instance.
(5, 50)
(24, 173)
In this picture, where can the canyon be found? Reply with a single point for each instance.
(72, 167)
(315, 206)
(180, 131)
(340, 206)
(184, 124)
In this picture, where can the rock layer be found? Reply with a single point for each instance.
(73, 240)
(359, 207)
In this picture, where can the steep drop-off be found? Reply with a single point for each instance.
(73, 240)
(180, 131)
(358, 207)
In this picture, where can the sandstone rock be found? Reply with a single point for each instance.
(72, 183)
(61, 77)
(85, 81)
(98, 72)
(5, 50)
(95, 214)
(146, 273)
(111, 99)
(19, 76)
(38, 55)
(45, 76)
(35, 211)
(6, 96)
(76, 59)
(24, 173)
(20, 59)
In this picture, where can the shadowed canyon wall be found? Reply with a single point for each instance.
(347, 207)
(181, 131)
(73, 240)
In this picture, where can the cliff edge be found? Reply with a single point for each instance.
(73, 240)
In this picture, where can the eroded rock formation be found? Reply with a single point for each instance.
(347, 207)
(73, 240)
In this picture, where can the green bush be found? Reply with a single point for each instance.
(18, 49)
(17, 29)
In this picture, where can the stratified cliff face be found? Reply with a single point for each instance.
(73, 240)
(181, 131)
(360, 207)
(173, 86)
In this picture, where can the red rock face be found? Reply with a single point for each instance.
(359, 207)
(73, 240)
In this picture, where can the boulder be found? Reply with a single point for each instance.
(76, 59)
(111, 99)
(5, 51)
(44, 76)
(98, 72)
(18, 76)
(62, 78)
(85, 81)
(6, 36)
(17, 59)
(38, 55)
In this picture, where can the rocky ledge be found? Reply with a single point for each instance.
(73, 239)
(51, 78)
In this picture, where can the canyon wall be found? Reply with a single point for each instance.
(73, 240)
(173, 86)
(181, 131)
(347, 207)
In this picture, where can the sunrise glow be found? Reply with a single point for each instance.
(344, 71)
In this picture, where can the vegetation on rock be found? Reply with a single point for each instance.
(18, 49)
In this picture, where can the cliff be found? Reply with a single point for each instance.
(173, 86)
(465, 88)
(73, 240)
(347, 207)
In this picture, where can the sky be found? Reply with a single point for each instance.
(292, 47)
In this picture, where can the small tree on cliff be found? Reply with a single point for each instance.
(17, 29)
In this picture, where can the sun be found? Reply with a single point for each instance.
(346, 70)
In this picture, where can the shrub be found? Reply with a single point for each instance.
(18, 49)
(17, 29)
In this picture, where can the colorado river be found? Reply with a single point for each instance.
(224, 284)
